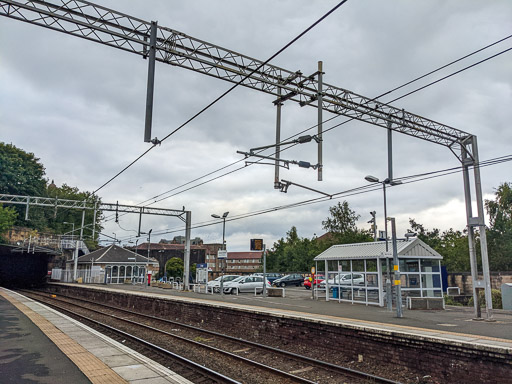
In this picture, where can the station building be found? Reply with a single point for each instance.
(111, 265)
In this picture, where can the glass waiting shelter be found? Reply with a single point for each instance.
(357, 273)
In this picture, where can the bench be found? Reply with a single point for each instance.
(436, 303)
(276, 292)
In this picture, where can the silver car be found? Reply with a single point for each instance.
(215, 284)
(345, 279)
(245, 284)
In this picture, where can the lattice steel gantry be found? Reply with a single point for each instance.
(106, 26)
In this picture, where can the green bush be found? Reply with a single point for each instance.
(496, 298)
(449, 300)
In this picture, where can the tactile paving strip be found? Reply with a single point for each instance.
(95, 370)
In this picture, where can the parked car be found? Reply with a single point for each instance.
(245, 284)
(293, 279)
(215, 284)
(271, 276)
(345, 279)
(308, 281)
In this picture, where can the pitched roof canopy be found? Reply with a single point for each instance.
(114, 254)
(406, 249)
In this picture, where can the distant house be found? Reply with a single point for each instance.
(116, 264)
(357, 272)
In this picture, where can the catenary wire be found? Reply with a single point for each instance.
(351, 192)
(344, 122)
(294, 40)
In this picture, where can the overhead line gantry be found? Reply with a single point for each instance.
(157, 43)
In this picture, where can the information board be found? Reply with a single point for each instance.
(256, 244)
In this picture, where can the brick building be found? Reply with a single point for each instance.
(237, 263)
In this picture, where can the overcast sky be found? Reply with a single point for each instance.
(79, 106)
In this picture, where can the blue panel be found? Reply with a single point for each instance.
(444, 277)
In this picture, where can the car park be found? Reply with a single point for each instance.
(215, 284)
(344, 279)
(292, 279)
(308, 281)
(271, 276)
(245, 284)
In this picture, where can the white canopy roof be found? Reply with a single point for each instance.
(414, 248)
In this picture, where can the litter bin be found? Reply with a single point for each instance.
(335, 292)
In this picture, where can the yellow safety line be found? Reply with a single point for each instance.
(95, 370)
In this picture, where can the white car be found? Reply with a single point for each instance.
(245, 284)
(345, 279)
(215, 284)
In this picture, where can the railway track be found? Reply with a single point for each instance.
(227, 356)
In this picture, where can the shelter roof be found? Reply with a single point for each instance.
(113, 254)
(406, 249)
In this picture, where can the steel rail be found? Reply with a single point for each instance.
(320, 363)
(265, 367)
(197, 368)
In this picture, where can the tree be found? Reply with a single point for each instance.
(174, 267)
(451, 244)
(21, 173)
(342, 226)
(55, 219)
(499, 235)
(293, 254)
(7, 219)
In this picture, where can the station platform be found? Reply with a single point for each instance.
(453, 325)
(40, 345)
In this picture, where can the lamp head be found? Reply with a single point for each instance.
(372, 179)
(216, 216)
(225, 214)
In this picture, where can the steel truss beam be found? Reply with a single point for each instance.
(106, 26)
(77, 204)
(84, 205)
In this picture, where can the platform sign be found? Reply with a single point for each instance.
(256, 244)
(222, 254)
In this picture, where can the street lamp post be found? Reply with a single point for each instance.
(149, 247)
(147, 264)
(398, 283)
(373, 179)
(225, 214)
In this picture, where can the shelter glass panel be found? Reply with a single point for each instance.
(373, 296)
(371, 265)
(345, 265)
(372, 280)
(431, 280)
(359, 294)
(411, 280)
(358, 265)
(383, 265)
(409, 265)
(428, 265)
